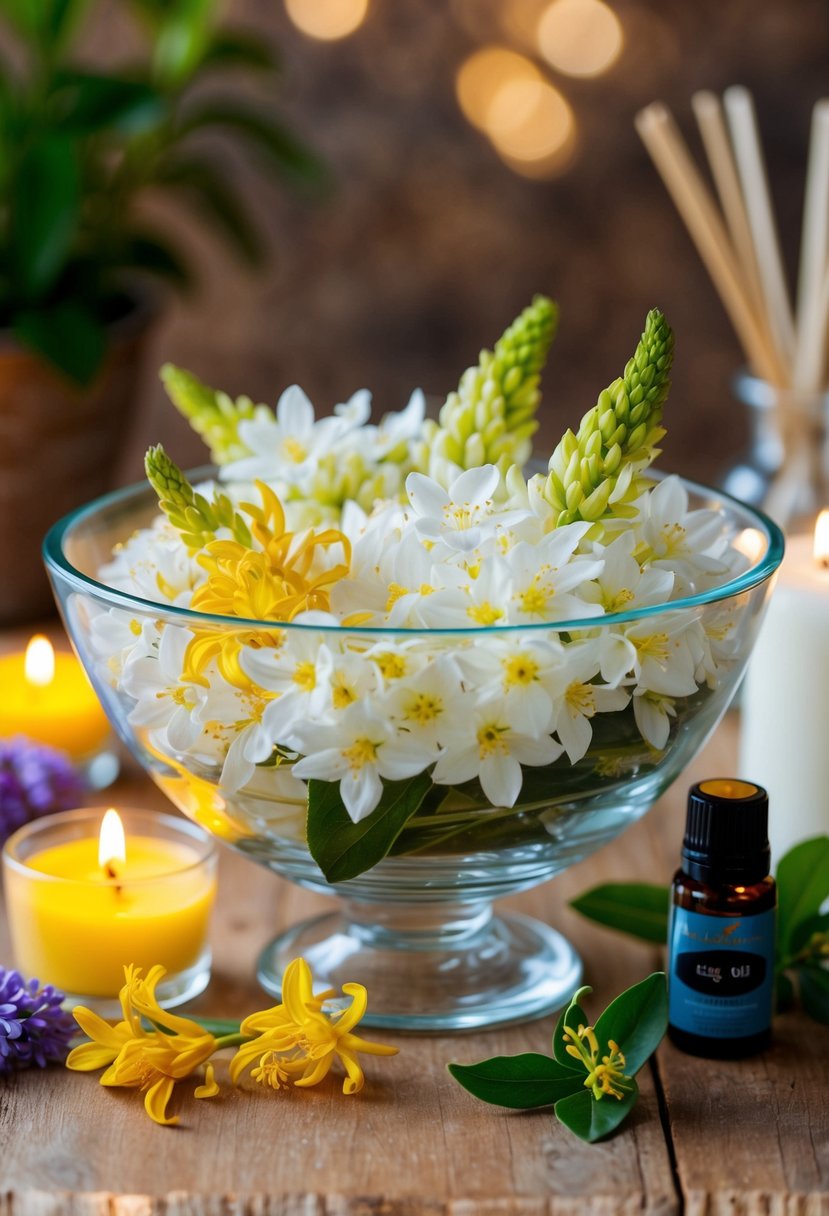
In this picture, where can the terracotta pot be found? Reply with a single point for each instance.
(58, 448)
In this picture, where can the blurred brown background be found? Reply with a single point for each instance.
(427, 243)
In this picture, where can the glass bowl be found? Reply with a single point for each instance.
(418, 927)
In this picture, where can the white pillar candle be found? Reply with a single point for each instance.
(785, 704)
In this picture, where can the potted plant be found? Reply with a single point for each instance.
(79, 149)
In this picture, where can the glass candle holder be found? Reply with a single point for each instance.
(48, 698)
(75, 923)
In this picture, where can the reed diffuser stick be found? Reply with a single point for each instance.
(699, 211)
(742, 122)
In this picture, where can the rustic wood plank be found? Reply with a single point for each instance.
(749, 1138)
(413, 1142)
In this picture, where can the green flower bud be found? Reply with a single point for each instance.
(593, 473)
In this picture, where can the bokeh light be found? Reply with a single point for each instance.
(484, 73)
(525, 117)
(327, 19)
(532, 127)
(580, 37)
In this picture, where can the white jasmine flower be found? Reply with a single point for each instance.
(581, 700)
(653, 714)
(546, 575)
(491, 742)
(397, 430)
(524, 670)
(689, 543)
(154, 565)
(287, 447)
(664, 660)
(358, 751)
(292, 675)
(462, 515)
(163, 698)
(424, 703)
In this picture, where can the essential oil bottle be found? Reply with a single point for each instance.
(722, 925)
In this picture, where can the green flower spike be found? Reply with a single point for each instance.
(491, 417)
(190, 513)
(589, 1080)
(213, 415)
(593, 473)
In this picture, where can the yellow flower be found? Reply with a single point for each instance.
(605, 1077)
(149, 1060)
(296, 1043)
(275, 583)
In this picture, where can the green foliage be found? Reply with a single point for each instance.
(584, 1081)
(491, 417)
(343, 849)
(212, 414)
(194, 516)
(80, 148)
(593, 473)
(637, 908)
(641, 911)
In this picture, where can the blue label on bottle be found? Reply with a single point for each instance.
(721, 979)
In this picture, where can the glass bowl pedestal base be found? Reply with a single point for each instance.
(432, 966)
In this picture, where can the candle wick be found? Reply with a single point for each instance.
(109, 870)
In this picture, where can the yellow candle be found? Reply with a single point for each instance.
(78, 912)
(47, 697)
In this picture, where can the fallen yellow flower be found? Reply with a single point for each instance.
(149, 1060)
(296, 1043)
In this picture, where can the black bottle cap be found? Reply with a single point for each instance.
(726, 832)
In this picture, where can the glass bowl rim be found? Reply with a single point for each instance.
(57, 562)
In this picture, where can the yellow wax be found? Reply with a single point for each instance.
(73, 928)
(65, 714)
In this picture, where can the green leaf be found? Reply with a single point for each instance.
(45, 201)
(802, 886)
(637, 1020)
(238, 48)
(803, 932)
(814, 992)
(343, 849)
(262, 130)
(573, 1016)
(637, 908)
(48, 22)
(520, 1082)
(592, 1119)
(88, 102)
(207, 188)
(67, 334)
(182, 35)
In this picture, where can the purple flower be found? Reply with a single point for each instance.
(33, 1027)
(34, 780)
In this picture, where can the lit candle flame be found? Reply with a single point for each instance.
(39, 663)
(112, 845)
(821, 549)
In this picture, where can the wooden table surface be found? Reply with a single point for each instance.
(707, 1138)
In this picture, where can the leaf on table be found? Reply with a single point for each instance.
(637, 1020)
(637, 908)
(520, 1082)
(591, 1119)
(573, 1016)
